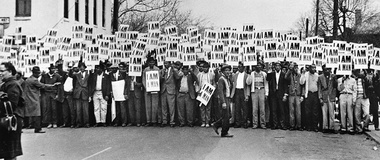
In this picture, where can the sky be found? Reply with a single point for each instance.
(264, 14)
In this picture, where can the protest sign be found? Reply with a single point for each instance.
(360, 58)
(172, 50)
(154, 25)
(205, 93)
(248, 28)
(306, 54)
(270, 53)
(331, 56)
(118, 90)
(123, 27)
(171, 30)
(249, 55)
(345, 65)
(375, 60)
(293, 50)
(152, 81)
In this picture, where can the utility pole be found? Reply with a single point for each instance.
(307, 28)
(335, 19)
(316, 18)
(115, 19)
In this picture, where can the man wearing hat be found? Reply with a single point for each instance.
(224, 93)
(259, 92)
(99, 92)
(49, 97)
(294, 92)
(67, 101)
(327, 85)
(239, 94)
(373, 92)
(168, 91)
(205, 76)
(186, 96)
(277, 89)
(31, 89)
(153, 114)
(81, 96)
(118, 73)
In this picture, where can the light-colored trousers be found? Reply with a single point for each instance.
(100, 107)
(361, 105)
(346, 109)
(258, 103)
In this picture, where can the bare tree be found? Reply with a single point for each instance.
(370, 16)
(137, 13)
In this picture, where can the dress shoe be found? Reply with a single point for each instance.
(377, 129)
(245, 126)
(39, 131)
(146, 125)
(162, 125)
(87, 126)
(215, 128)
(172, 125)
(263, 127)
(138, 125)
(203, 125)
(254, 127)
(96, 125)
(54, 125)
(115, 125)
(315, 130)
(228, 136)
(62, 126)
(72, 126)
(367, 130)
(78, 126)
(123, 125)
(291, 129)
(207, 126)
(300, 129)
(104, 125)
(181, 125)
(129, 124)
(49, 126)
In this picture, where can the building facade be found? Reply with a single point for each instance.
(35, 17)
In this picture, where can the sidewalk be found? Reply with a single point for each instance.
(375, 135)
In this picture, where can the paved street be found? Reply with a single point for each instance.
(192, 143)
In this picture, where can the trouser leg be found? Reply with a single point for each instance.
(171, 104)
(255, 108)
(189, 109)
(148, 107)
(292, 100)
(181, 108)
(261, 98)
(164, 107)
(156, 115)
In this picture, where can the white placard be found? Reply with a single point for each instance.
(118, 90)
(205, 94)
(152, 81)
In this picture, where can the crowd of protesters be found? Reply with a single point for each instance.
(275, 96)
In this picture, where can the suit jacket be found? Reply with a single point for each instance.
(191, 79)
(223, 89)
(137, 87)
(168, 81)
(282, 83)
(106, 84)
(245, 86)
(81, 85)
(327, 90)
(294, 81)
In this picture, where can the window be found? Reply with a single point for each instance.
(77, 10)
(86, 8)
(95, 9)
(23, 8)
(66, 8)
(104, 13)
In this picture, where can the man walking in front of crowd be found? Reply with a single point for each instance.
(295, 99)
(259, 92)
(312, 104)
(362, 103)
(99, 92)
(168, 93)
(373, 91)
(327, 84)
(31, 89)
(81, 96)
(224, 91)
(153, 115)
(205, 77)
(186, 96)
(49, 96)
(239, 94)
(347, 87)
(118, 73)
(277, 90)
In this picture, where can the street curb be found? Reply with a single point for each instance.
(374, 136)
